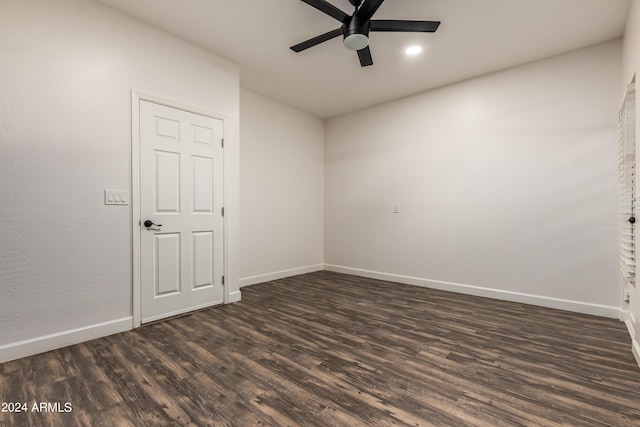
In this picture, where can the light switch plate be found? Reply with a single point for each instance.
(116, 197)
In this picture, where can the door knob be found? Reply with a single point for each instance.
(148, 223)
(632, 220)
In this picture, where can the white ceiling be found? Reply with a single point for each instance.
(476, 37)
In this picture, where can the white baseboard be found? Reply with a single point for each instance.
(635, 346)
(63, 339)
(630, 321)
(542, 301)
(234, 297)
(261, 278)
(624, 315)
(635, 349)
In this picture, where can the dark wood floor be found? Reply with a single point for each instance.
(325, 349)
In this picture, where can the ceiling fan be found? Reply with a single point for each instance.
(356, 27)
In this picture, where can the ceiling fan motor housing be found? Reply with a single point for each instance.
(356, 33)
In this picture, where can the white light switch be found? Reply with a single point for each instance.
(116, 197)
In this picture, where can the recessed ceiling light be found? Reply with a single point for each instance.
(413, 50)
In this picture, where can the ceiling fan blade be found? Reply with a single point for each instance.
(404, 26)
(328, 8)
(317, 40)
(365, 57)
(368, 8)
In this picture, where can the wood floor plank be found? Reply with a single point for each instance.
(327, 349)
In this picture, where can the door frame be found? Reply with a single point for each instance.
(136, 97)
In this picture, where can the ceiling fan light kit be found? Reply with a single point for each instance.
(356, 27)
(356, 41)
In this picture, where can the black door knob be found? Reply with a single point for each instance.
(148, 223)
(632, 220)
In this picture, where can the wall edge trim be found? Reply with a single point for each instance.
(538, 300)
(235, 296)
(62, 339)
(635, 349)
(267, 277)
(630, 322)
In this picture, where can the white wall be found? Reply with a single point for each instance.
(281, 190)
(506, 184)
(631, 67)
(68, 68)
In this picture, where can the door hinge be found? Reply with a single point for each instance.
(223, 211)
(222, 142)
(223, 280)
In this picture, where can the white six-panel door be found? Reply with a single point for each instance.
(181, 188)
